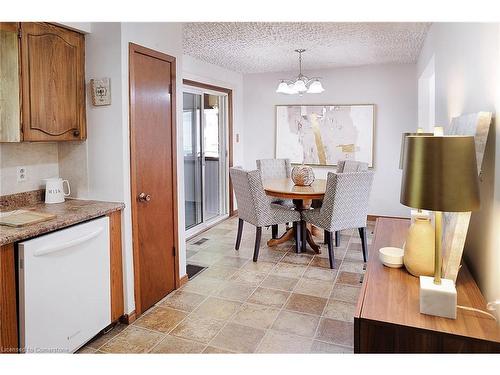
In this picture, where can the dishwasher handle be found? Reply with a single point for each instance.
(65, 245)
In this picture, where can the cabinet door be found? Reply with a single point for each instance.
(53, 83)
(10, 107)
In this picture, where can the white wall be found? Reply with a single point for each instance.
(392, 88)
(467, 79)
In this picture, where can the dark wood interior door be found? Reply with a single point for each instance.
(153, 179)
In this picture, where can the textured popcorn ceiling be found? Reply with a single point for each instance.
(257, 47)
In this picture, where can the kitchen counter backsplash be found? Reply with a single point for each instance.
(71, 212)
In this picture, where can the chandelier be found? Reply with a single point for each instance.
(301, 84)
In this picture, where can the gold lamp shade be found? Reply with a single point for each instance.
(440, 173)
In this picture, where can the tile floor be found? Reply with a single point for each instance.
(284, 303)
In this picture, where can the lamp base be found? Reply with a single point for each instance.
(438, 300)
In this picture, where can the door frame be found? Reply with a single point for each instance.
(135, 48)
(229, 93)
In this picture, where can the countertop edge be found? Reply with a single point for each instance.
(49, 226)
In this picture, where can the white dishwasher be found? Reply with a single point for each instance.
(64, 288)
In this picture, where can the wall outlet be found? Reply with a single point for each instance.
(22, 174)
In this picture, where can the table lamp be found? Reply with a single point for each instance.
(440, 175)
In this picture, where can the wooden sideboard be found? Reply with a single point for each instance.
(388, 319)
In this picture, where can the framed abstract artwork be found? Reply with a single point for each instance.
(323, 134)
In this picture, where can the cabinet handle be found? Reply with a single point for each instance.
(76, 133)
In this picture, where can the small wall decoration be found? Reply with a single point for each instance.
(323, 134)
(100, 91)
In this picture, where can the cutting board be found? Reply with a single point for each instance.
(20, 218)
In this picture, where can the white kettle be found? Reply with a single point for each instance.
(54, 190)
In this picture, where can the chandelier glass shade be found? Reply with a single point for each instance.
(301, 84)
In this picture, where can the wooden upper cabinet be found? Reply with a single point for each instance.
(53, 83)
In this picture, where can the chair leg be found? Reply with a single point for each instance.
(337, 238)
(297, 231)
(362, 235)
(238, 236)
(303, 235)
(258, 234)
(331, 255)
(274, 231)
(326, 236)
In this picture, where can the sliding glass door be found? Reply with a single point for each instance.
(205, 156)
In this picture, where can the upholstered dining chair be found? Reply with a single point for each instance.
(345, 206)
(346, 166)
(255, 207)
(276, 168)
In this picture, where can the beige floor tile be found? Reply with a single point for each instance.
(172, 344)
(217, 308)
(270, 256)
(314, 287)
(351, 266)
(279, 282)
(257, 316)
(345, 293)
(294, 258)
(198, 328)
(354, 256)
(260, 266)
(306, 304)
(336, 332)
(340, 310)
(214, 350)
(296, 323)
(219, 272)
(205, 258)
(324, 347)
(289, 270)
(350, 278)
(161, 319)
(279, 342)
(237, 291)
(229, 261)
(203, 285)
(251, 277)
(102, 339)
(132, 340)
(181, 300)
(269, 297)
(324, 274)
(238, 338)
(324, 262)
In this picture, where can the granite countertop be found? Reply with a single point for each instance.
(71, 212)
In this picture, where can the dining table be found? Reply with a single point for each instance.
(302, 197)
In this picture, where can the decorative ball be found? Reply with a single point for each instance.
(302, 175)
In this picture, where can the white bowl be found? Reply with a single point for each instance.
(391, 256)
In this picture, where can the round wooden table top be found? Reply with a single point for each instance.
(285, 188)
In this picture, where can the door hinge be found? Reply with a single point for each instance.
(19, 33)
(173, 251)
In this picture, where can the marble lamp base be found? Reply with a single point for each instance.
(439, 300)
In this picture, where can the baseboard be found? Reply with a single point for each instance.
(234, 213)
(128, 318)
(375, 217)
(183, 280)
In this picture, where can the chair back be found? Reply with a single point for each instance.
(274, 168)
(345, 204)
(253, 203)
(347, 166)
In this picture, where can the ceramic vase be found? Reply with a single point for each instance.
(419, 248)
(302, 175)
